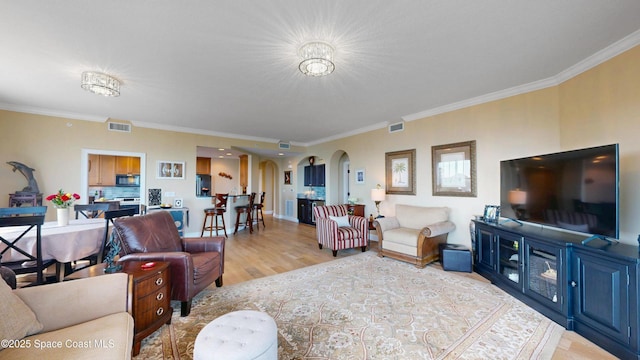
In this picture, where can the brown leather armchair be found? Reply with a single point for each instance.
(195, 262)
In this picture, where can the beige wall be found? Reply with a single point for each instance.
(598, 107)
(513, 127)
(53, 147)
(602, 106)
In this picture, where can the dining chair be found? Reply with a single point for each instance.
(98, 257)
(24, 219)
(109, 216)
(90, 211)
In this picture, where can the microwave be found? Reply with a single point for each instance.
(127, 180)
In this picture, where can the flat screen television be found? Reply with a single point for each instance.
(576, 190)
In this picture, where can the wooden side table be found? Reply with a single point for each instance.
(150, 295)
(355, 209)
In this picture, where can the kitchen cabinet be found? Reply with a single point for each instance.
(305, 210)
(244, 172)
(127, 165)
(203, 166)
(589, 288)
(102, 170)
(314, 175)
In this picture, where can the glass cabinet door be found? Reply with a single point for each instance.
(543, 272)
(509, 256)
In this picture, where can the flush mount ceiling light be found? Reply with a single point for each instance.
(101, 84)
(318, 59)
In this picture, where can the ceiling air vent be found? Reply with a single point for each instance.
(399, 126)
(114, 126)
(284, 146)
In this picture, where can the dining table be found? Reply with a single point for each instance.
(62, 243)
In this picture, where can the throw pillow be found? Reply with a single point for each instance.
(18, 320)
(343, 221)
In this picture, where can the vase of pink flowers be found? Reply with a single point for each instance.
(62, 202)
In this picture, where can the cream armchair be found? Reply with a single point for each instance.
(413, 234)
(78, 319)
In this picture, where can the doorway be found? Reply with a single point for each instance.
(84, 170)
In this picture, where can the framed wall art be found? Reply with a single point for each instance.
(287, 177)
(454, 169)
(360, 176)
(155, 197)
(400, 172)
(170, 170)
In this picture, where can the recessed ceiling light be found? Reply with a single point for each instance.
(229, 154)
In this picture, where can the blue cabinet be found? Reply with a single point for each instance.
(484, 255)
(314, 175)
(544, 275)
(180, 217)
(508, 259)
(604, 300)
(591, 288)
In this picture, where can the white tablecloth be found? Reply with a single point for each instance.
(75, 241)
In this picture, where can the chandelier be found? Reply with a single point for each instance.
(101, 84)
(318, 59)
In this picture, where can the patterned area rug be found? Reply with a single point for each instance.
(366, 307)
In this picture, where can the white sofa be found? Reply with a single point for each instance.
(78, 319)
(414, 233)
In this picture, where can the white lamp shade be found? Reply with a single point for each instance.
(377, 194)
(517, 197)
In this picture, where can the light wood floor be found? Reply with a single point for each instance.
(285, 246)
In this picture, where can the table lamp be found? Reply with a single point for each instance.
(377, 195)
(518, 199)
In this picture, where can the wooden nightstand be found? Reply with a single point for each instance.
(150, 295)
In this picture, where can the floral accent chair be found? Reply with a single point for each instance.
(338, 230)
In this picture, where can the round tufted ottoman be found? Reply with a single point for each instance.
(244, 334)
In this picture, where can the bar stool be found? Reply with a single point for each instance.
(213, 214)
(257, 210)
(245, 209)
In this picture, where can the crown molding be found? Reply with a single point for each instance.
(601, 56)
(347, 134)
(201, 132)
(592, 61)
(50, 112)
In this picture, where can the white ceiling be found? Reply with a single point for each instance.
(230, 67)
